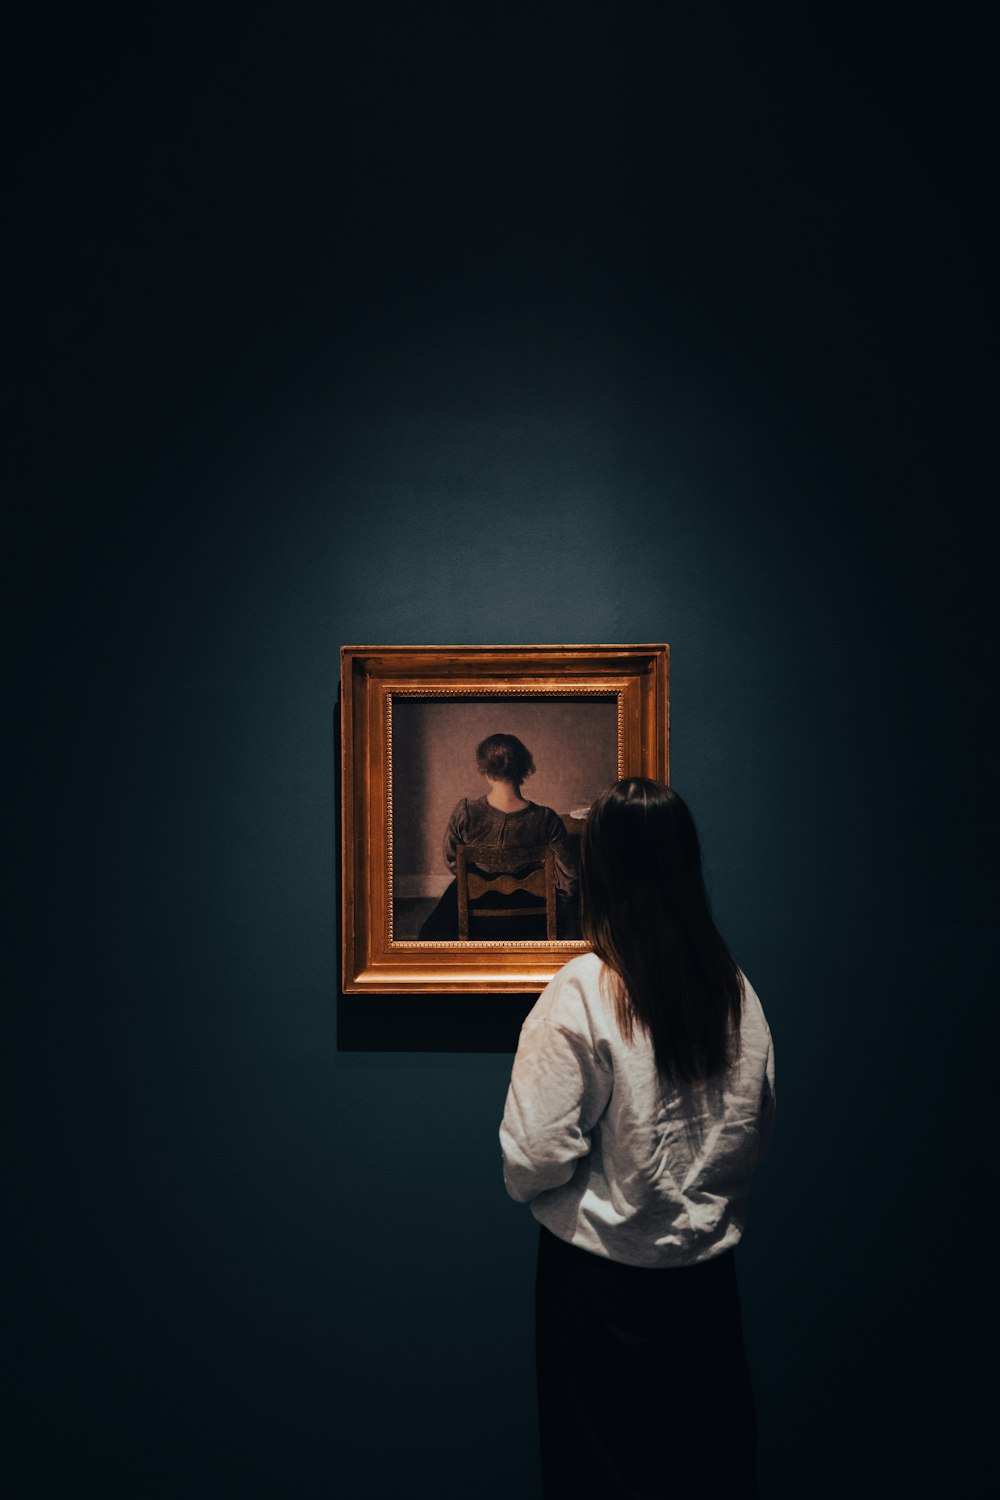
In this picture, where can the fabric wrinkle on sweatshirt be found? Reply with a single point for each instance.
(615, 1159)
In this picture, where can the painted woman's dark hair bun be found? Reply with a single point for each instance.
(502, 757)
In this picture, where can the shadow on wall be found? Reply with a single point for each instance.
(430, 1023)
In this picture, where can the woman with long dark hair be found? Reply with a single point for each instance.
(641, 1100)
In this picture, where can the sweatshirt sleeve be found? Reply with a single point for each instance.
(559, 1089)
(767, 1103)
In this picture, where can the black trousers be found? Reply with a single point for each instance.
(643, 1384)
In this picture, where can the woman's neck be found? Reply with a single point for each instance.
(505, 796)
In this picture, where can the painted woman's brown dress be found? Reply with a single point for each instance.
(475, 821)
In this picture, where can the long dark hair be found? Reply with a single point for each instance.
(646, 914)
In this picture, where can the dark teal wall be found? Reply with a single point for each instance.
(265, 1247)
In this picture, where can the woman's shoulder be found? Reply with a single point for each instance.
(753, 1011)
(573, 996)
(584, 968)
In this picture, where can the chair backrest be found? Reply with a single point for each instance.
(484, 868)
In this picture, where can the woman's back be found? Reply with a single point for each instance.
(640, 1101)
(613, 1157)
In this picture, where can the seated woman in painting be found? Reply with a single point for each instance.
(503, 819)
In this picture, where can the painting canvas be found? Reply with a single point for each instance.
(466, 776)
(573, 745)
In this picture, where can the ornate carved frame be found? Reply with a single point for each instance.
(372, 677)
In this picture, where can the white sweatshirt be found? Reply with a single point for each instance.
(612, 1159)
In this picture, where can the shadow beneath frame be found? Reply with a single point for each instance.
(416, 1023)
(430, 1023)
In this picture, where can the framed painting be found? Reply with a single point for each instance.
(466, 776)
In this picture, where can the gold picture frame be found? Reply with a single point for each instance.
(628, 686)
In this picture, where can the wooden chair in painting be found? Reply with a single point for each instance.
(484, 870)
